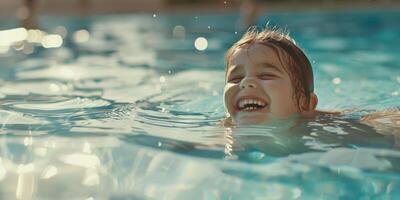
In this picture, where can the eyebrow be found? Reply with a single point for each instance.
(264, 65)
(269, 65)
(235, 68)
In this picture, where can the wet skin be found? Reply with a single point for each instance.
(255, 72)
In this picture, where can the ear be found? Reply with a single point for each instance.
(310, 106)
(313, 102)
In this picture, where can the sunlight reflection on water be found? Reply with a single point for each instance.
(128, 106)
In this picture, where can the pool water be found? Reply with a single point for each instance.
(128, 106)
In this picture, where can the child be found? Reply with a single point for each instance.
(268, 77)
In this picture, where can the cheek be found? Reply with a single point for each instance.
(281, 94)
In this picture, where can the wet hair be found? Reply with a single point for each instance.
(292, 58)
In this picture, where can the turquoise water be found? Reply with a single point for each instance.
(131, 113)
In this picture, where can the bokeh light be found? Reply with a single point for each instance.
(4, 49)
(201, 43)
(8, 37)
(61, 30)
(35, 36)
(179, 32)
(81, 36)
(52, 41)
(336, 81)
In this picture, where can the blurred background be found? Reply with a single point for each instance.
(117, 99)
(27, 10)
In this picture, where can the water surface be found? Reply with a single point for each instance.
(132, 112)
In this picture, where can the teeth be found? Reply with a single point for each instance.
(242, 104)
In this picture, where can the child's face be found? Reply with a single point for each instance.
(257, 87)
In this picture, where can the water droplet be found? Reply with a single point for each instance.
(236, 32)
(169, 71)
(209, 27)
(154, 15)
(159, 144)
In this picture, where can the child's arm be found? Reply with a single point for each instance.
(388, 118)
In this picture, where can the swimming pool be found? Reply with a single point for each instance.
(127, 106)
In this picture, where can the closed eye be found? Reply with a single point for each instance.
(268, 76)
(235, 79)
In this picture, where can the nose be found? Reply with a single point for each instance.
(248, 82)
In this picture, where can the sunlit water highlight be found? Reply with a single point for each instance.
(127, 107)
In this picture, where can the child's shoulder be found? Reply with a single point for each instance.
(393, 114)
(385, 122)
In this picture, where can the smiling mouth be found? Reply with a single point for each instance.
(251, 104)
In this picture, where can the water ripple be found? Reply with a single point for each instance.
(134, 112)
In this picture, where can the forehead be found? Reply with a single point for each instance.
(257, 53)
